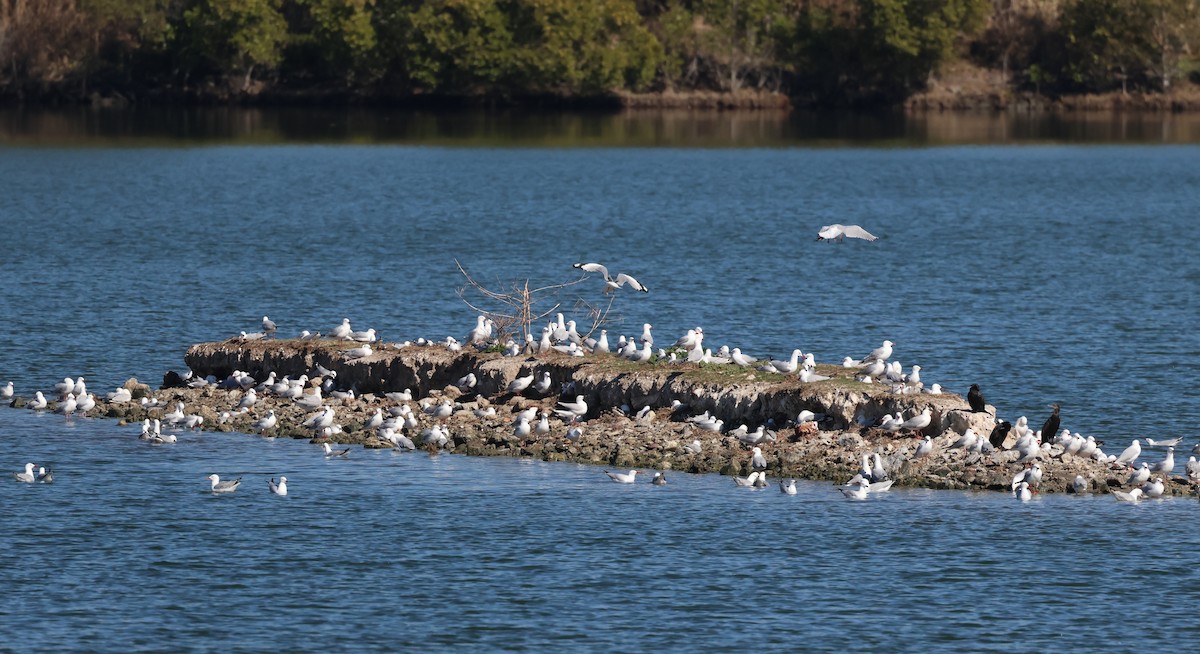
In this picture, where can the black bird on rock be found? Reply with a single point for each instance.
(999, 433)
(1050, 427)
(975, 399)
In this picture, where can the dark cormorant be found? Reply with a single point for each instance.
(975, 399)
(1050, 427)
(999, 433)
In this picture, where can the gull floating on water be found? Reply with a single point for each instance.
(659, 479)
(280, 488)
(332, 453)
(747, 482)
(623, 477)
(1079, 485)
(787, 487)
(857, 490)
(7, 391)
(219, 486)
(1132, 496)
(1022, 492)
(836, 232)
(28, 476)
(45, 475)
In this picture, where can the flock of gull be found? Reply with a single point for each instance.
(402, 423)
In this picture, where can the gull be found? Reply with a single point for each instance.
(527, 415)
(693, 447)
(193, 421)
(1130, 454)
(280, 488)
(45, 476)
(1166, 465)
(888, 423)
(374, 421)
(600, 344)
(1153, 488)
(643, 355)
(757, 436)
(28, 477)
(787, 487)
(248, 399)
(807, 376)
(119, 396)
(646, 336)
(785, 367)
(401, 396)
(254, 336)
(1031, 476)
(1079, 486)
(1139, 476)
(310, 400)
(877, 471)
(1132, 496)
(881, 353)
(359, 352)
(572, 410)
(306, 335)
(363, 337)
(342, 331)
(857, 490)
(522, 429)
(836, 232)
(1169, 442)
(543, 385)
(266, 422)
(688, 340)
(924, 449)
(519, 384)
(38, 402)
(966, 441)
(741, 359)
(332, 453)
(573, 434)
(1022, 492)
(1193, 469)
(746, 482)
(659, 479)
(542, 426)
(268, 327)
(623, 477)
(319, 419)
(611, 284)
(219, 486)
(481, 332)
(68, 406)
(7, 391)
(443, 410)
(67, 385)
(919, 421)
(713, 425)
(873, 369)
(758, 461)
(467, 382)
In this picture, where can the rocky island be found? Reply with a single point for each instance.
(634, 415)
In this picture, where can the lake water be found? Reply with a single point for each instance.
(1045, 272)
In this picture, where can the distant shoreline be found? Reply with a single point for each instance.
(940, 97)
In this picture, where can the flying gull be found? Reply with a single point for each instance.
(837, 232)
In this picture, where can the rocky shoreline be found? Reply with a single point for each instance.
(629, 423)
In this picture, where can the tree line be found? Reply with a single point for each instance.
(836, 52)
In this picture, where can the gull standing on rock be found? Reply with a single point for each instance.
(1166, 465)
(1130, 454)
(268, 327)
(881, 353)
(572, 410)
(758, 461)
(519, 384)
(924, 449)
(919, 421)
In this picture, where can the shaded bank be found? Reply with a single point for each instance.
(172, 126)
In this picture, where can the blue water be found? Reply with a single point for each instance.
(1045, 274)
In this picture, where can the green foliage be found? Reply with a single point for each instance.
(830, 51)
(235, 36)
